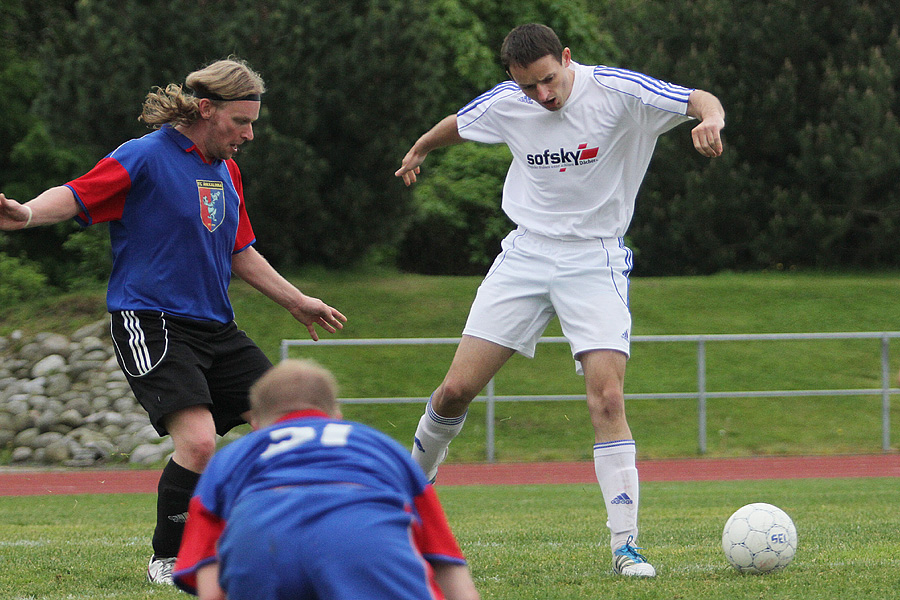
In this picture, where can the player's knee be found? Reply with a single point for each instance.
(607, 405)
(195, 453)
(453, 398)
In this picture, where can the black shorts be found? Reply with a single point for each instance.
(172, 363)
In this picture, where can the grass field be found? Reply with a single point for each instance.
(523, 542)
(541, 542)
(413, 306)
(383, 304)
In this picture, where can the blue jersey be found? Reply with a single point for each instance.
(330, 466)
(308, 451)
(175, 220)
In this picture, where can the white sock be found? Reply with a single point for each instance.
(614, 464)
(433, 436)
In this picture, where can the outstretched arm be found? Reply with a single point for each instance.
(55, 205)
(253, 268)
(445, 133)
(707, 135)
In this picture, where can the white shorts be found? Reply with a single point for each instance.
(534, 278)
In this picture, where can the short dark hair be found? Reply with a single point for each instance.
(527, 43)
(293, 385)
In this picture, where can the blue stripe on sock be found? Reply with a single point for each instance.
(444, 420)
(613, 444)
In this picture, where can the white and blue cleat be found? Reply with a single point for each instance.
(631, 563)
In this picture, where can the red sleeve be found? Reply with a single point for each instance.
(245, 235)
(433, 536)
(198, 544)
(102, 192)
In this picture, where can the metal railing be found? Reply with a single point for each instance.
(702, 394)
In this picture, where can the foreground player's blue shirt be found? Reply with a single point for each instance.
(309, 448)
(175, 220)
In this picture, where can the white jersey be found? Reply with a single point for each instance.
(576, 171)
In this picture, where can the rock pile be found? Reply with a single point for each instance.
(64, 401)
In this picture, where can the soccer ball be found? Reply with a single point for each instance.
(759, 538)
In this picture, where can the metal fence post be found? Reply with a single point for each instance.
(701, 395)
(885, 395)
(489, 421)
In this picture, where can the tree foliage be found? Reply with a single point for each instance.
(810, 174)
(19, 280)
(348, 81)
(457, 223)
(810, 177)
(457, 226)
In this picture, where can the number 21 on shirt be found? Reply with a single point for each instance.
(288, 438)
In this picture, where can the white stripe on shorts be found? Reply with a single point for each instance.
(137, 344)
(136, 341)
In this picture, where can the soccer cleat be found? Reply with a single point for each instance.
(160, 570)
(628, 561)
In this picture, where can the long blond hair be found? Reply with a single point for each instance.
(221, 81)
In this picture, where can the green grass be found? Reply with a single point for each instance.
(383, 304)
(541, 542)
(523, 542)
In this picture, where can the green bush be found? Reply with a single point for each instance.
(809, 174)
(92, 248)
(19, 280)
(458, 223)
(810, 90)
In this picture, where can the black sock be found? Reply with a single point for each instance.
(176, 486)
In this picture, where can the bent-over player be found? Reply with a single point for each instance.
(310, 506)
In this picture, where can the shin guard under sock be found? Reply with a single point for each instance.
(176, 486)
(433, 436)
(614, 464)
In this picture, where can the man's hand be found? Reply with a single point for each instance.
(707, 135)
(410, 166)
(312, 311)
(442, 134)
(13, 216)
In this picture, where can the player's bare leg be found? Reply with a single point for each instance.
(475, 363)
(614, 457)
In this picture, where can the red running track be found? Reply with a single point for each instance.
(19, 482)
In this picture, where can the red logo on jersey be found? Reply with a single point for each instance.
(587, 152)
(212, 203)
(584, 154)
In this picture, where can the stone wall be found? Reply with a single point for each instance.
(64, 401)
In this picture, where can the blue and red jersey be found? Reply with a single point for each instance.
(309, 449)
(175, 220)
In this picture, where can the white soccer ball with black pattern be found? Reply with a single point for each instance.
(759, 538)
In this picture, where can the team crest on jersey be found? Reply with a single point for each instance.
(212, 203)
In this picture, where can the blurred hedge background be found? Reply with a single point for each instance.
(810, 177)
